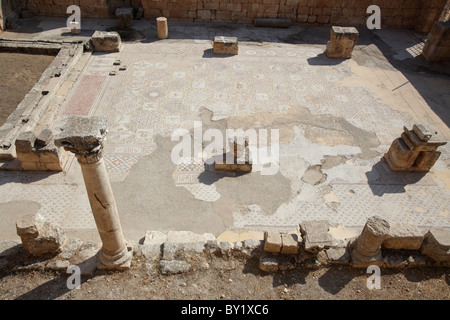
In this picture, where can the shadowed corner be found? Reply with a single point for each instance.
(383, 180)
(323, 60)
(58, 286)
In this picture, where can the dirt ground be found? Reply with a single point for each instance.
(19, 72)
(230, 278)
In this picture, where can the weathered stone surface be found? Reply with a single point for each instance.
(315, 235)
(342, 42)
(272, 242)
(174, 266)
(40, 237)
(403, 236)
(338, 255)
(151, 248)
(366, 249)
(436, 244)
(44, 137)
(84, 137)
(225, 247)
(225, 45)
(415, 150)
(169, 250)
(87, 257)
(314, 175)
(104, 41)
(268, 264)
(290, 243)
(188, 236)
(70, 248)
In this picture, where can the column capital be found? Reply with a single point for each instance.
(84, 137)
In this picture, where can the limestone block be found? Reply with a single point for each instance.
(342, 42)
(174, 266)
(403, 236)
(315, 235)
(104, 41)
(151, 248)
(272, 242)
(225, 45)
(290, 243)
(40, 237)
(163, 30)
(400, 156)
(437, 244)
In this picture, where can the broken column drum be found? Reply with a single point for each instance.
(366, 249)
(85, 137)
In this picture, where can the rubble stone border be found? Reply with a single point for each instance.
(26, 143)
(309, 247)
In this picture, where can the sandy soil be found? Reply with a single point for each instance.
(19, 72)
(231, 278)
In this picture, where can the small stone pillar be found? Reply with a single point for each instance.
(85, 137)
(225, 45)
(238, 160)
(366, 249)
(415, 150)
(342, 42)
(163, 30)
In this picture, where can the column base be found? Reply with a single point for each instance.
(121, 261)
(360, 261)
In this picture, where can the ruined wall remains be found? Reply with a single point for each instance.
(9, 9)
(417, 14)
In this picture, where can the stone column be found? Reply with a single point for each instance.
(163, 31)
(366, 249)
(84, 137)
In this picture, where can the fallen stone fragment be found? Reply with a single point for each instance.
(40, 237)
(315, 235)
(403, 236)
(174, 266)
(436, 244)
(70, 248)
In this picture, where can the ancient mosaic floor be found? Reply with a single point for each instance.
(167, 84)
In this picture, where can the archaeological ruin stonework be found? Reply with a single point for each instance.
(396, 14)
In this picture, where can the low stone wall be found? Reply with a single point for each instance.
(9, 10)
(26, 138)
(311, 246)
(394, 13)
